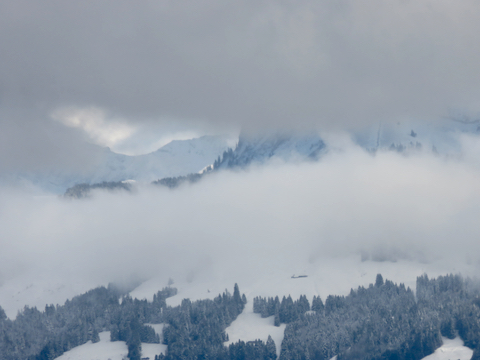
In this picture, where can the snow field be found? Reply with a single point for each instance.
(108, 350)
(451, 350)
(261, 277)
(249, 327)
(273, 277)
(38, 290)
(103, 350)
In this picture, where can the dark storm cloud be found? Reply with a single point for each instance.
(246, 63)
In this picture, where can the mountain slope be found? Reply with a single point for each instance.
(258, 150)
(262, 148)
(440, 136)
(179, 157)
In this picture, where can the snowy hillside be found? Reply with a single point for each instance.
(439, 136)
(179, 157)
(182, 157)
(248, 326)
(251, 329)
(260, 149)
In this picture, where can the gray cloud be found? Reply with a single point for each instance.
(248, 63)
(30, 142)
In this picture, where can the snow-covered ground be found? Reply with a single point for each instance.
(256, 275)
(263, 278)
(39, 291)
(103, 350)
(258, 278)
(271, 277)
(177, 158)
(107, 350)
(451, 350)
(249, 327)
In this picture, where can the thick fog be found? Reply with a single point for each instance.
(384, 207)
(220, 65)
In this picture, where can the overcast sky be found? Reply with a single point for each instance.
(182, 67)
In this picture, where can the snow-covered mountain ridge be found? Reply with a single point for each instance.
(440, 136)
(183, 157)
(260, 149)
(179, 157)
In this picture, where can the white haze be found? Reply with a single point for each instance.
(419, 208)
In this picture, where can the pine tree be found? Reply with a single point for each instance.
(317, 305)
(3, 315)
(271, 350)
(237, 298)
(95, 337)
(277, 315)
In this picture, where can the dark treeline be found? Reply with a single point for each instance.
(384, 321)
(174, 182)
(191, 329)
(379, 322)
(37, 335)
(83, 190)
(285, 311)
(196, 330)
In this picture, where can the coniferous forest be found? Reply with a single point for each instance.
(383, 321)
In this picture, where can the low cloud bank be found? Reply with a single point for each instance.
(385, 207)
